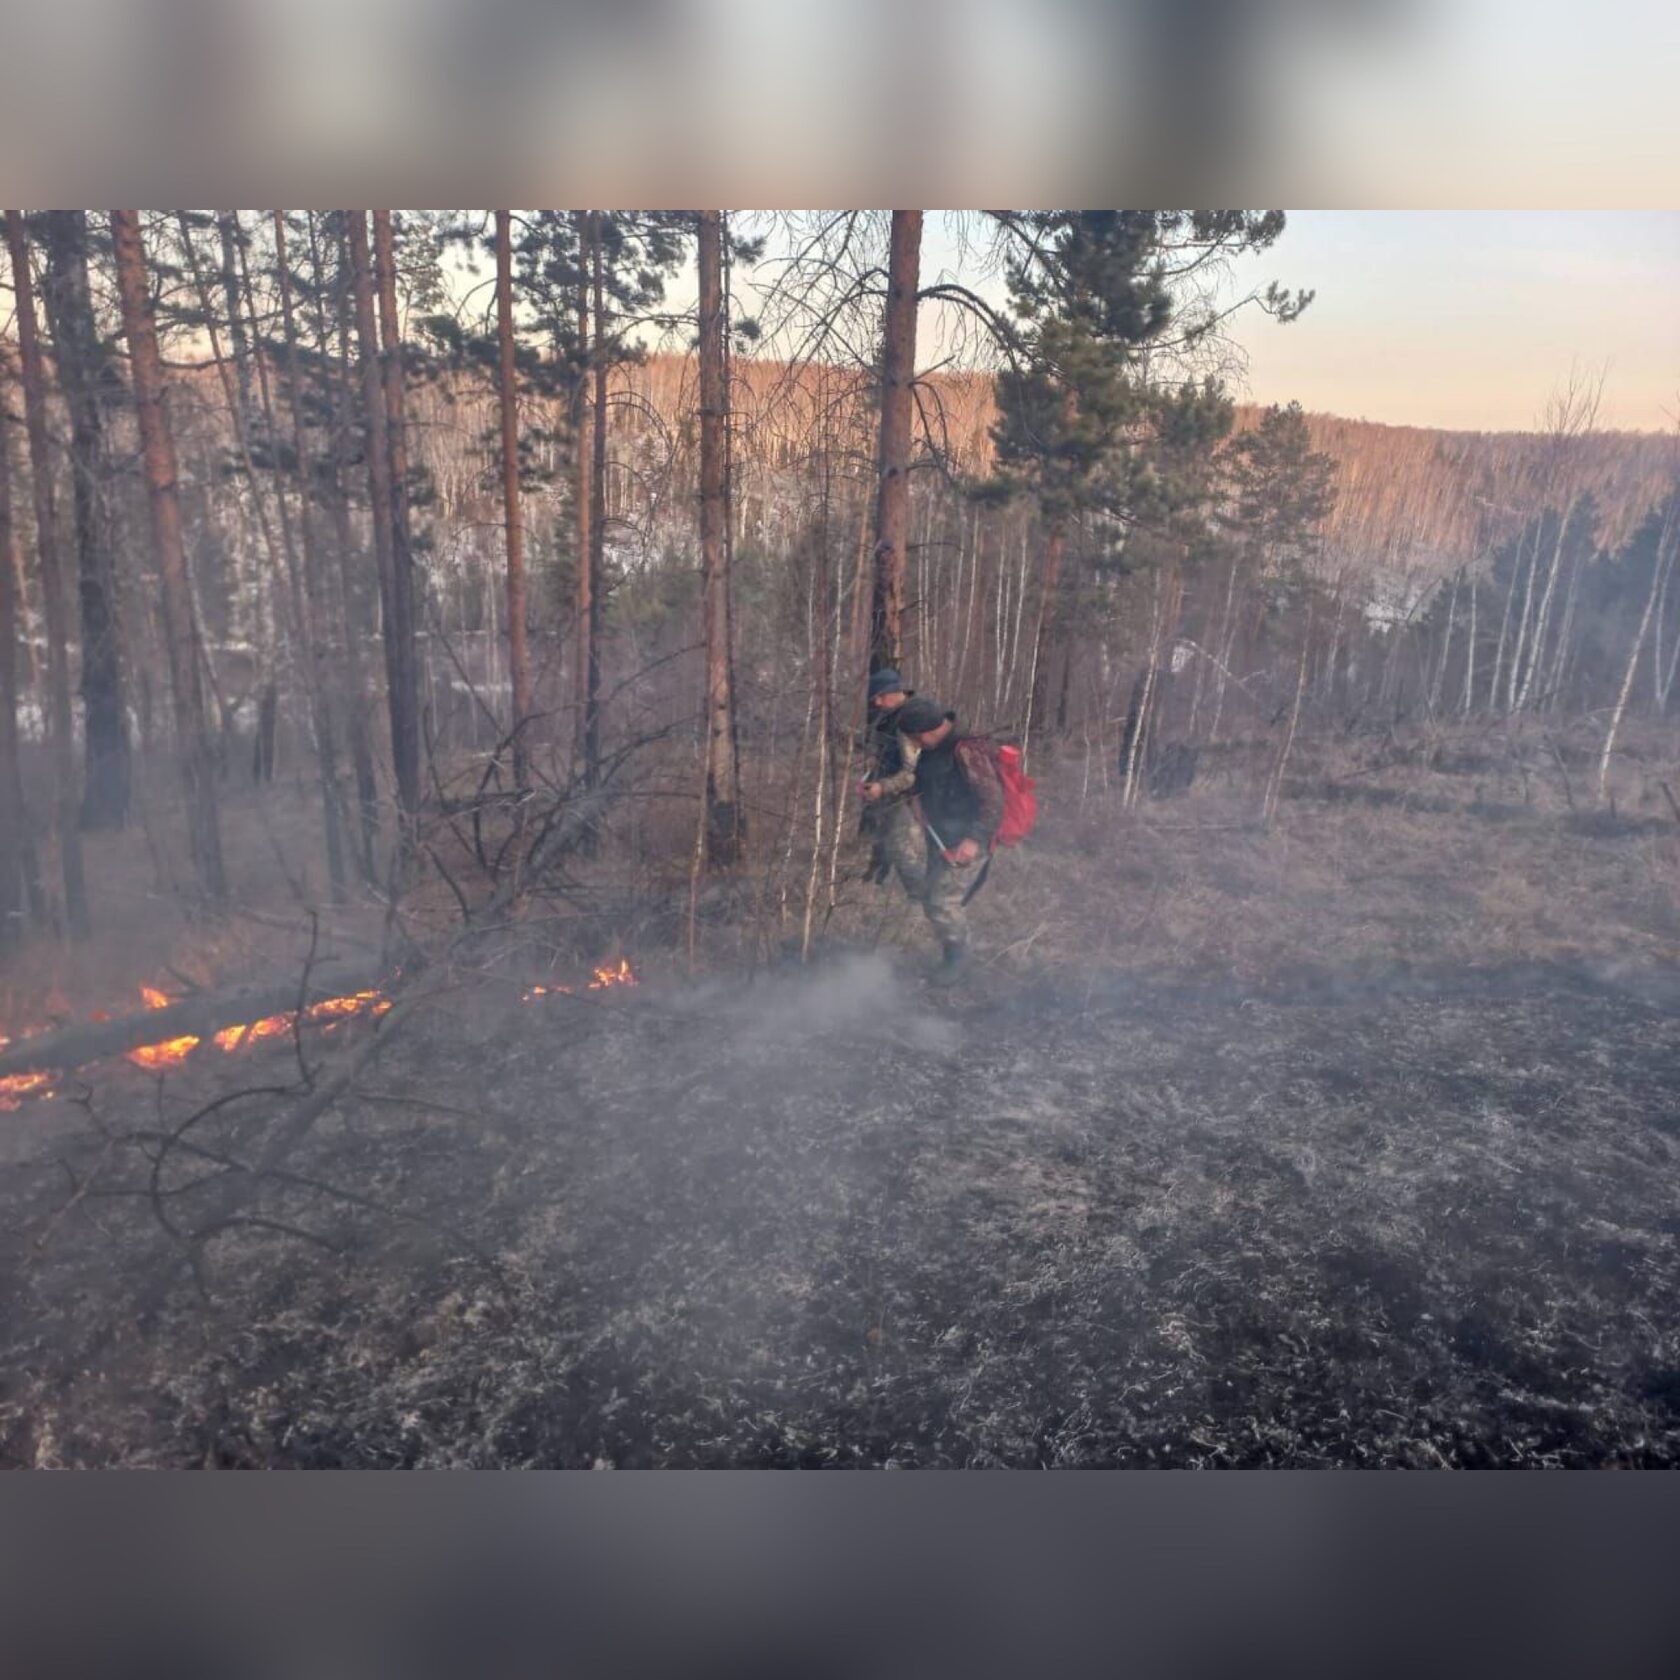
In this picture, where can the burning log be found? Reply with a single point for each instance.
(231, 1018)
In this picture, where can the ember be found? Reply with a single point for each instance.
(16, 1086)
(330, 1012)
(622, 975)
(172, 1052)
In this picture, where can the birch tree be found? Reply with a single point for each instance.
(61, 715)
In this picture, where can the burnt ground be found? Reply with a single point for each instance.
(1358, 1215)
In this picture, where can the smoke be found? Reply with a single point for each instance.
(858, 996)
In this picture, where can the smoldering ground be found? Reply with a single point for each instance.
(1358, 1216)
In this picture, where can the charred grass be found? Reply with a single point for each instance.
(1350, 1142)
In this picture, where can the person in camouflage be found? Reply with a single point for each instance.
(887, 816)
(958, 800)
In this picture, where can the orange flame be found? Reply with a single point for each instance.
(622, 975)
(170, 1053)
(16, 1086)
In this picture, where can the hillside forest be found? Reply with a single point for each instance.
(506, 544)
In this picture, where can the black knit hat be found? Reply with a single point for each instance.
(887, 681)
(918, 716)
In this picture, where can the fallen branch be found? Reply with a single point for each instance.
(197, 1017)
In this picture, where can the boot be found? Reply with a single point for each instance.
(952, 965)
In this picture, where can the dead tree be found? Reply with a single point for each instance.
(723, 807)
(519, 664)
(892, 504)
(163, 492)
(53, 610)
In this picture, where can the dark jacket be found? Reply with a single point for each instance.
(958, 791)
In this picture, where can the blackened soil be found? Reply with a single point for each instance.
(831, 1219)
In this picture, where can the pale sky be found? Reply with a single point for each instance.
(1467, 318)
(1457, 318)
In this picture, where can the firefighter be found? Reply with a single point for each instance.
(887, 816)
(959, 802)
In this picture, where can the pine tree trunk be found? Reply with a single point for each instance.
(378, 452)
(351, 613)
(892, 505)
(405, 717)
(723, 810)
(598, 514)
(20, 884)
(584, 472)
(519, 665)
(323, 687)
(158, 454)
(53, 605)
(88, 381)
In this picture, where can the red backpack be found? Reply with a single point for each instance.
(1020, 802)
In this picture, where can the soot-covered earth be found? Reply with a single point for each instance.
(830, 1218)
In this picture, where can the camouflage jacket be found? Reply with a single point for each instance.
(892, 758)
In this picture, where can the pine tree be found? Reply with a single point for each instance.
(88, 377)
(724, 818)
(898, 373)
(519, 665)
(1102, 421)
(162, 488)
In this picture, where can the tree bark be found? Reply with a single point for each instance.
(1670, 534)
(89, 381)
(1049, 619)
(378, 452)
(198, 1017)
(323, 687)
(405, 718)
(52, 584)
(20, 885)
(228, 238)
(723, 810)
(598, 514)
(892, 504)
(584, 472)
(351, 614)
(162, 488)
(519, 666)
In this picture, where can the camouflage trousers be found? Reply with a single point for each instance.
(925, 876)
